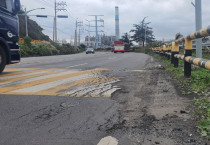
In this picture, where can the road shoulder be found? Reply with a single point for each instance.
(153, 111)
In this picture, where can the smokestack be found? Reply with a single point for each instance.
(117, 27)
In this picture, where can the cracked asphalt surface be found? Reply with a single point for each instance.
(146, 110)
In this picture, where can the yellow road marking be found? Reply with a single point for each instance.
(12, 75)
(60, 90)
(39, 79)
(28, 76)
(43, 61)
(19, 69)
(29, 84)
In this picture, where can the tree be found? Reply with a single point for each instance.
(141, 32)
(125, 38)
(83, 46)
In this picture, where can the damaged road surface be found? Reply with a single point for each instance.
(104, 98)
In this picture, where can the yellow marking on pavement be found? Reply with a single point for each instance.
(44, 61)
(15, 72)
(60, 82)
(12, 75)
(56, 90)
(6, 90)
(27, 77)
(19, 69)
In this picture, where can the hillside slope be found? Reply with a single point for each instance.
(34, 30)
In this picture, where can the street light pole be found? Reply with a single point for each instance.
(26, 19)
(145, 34)
(145, 37)
(198, 22)
(75, 38)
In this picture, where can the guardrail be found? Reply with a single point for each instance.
(171, 51)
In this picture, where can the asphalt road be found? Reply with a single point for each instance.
(64, 99)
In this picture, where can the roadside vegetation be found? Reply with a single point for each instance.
(29, 49)
(198, 85)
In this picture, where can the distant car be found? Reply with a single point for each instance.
(90, 50)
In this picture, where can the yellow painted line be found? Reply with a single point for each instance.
(38, 82)
(15, 73)
(43, 61)
(19, 69)
(28, 77)
(55, 90)
(22, 74)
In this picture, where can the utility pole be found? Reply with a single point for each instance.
(88, 44)
(26, 20)
(198, 22)
(96, 27)
(54, 25)
(60, 6)
(145, 34)
(75, 37)
(79, 24)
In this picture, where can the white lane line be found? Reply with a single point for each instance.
(53, 84)
(24, 74)
(37, 78)
(108, 141)
(76, 65)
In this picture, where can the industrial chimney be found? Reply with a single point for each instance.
(117, 27)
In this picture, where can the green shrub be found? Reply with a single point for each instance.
(41, 50)
(30, 49)
(25, 50)
(27, 41)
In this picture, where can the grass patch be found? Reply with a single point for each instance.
(203, 111)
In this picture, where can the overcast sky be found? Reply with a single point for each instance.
(167, 17)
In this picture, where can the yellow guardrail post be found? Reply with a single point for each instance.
(168, 50)
(164, 50)
(188, 52)
(175, 50)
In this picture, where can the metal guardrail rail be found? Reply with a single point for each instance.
(171, 51)
(196, 61)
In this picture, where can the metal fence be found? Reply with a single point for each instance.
(171, 51)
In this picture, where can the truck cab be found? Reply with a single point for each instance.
(9, 32)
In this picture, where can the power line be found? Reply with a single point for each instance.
(48, 4)
(96, 26)
(57, 28)
(60, 6)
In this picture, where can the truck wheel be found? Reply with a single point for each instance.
(2, 59)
